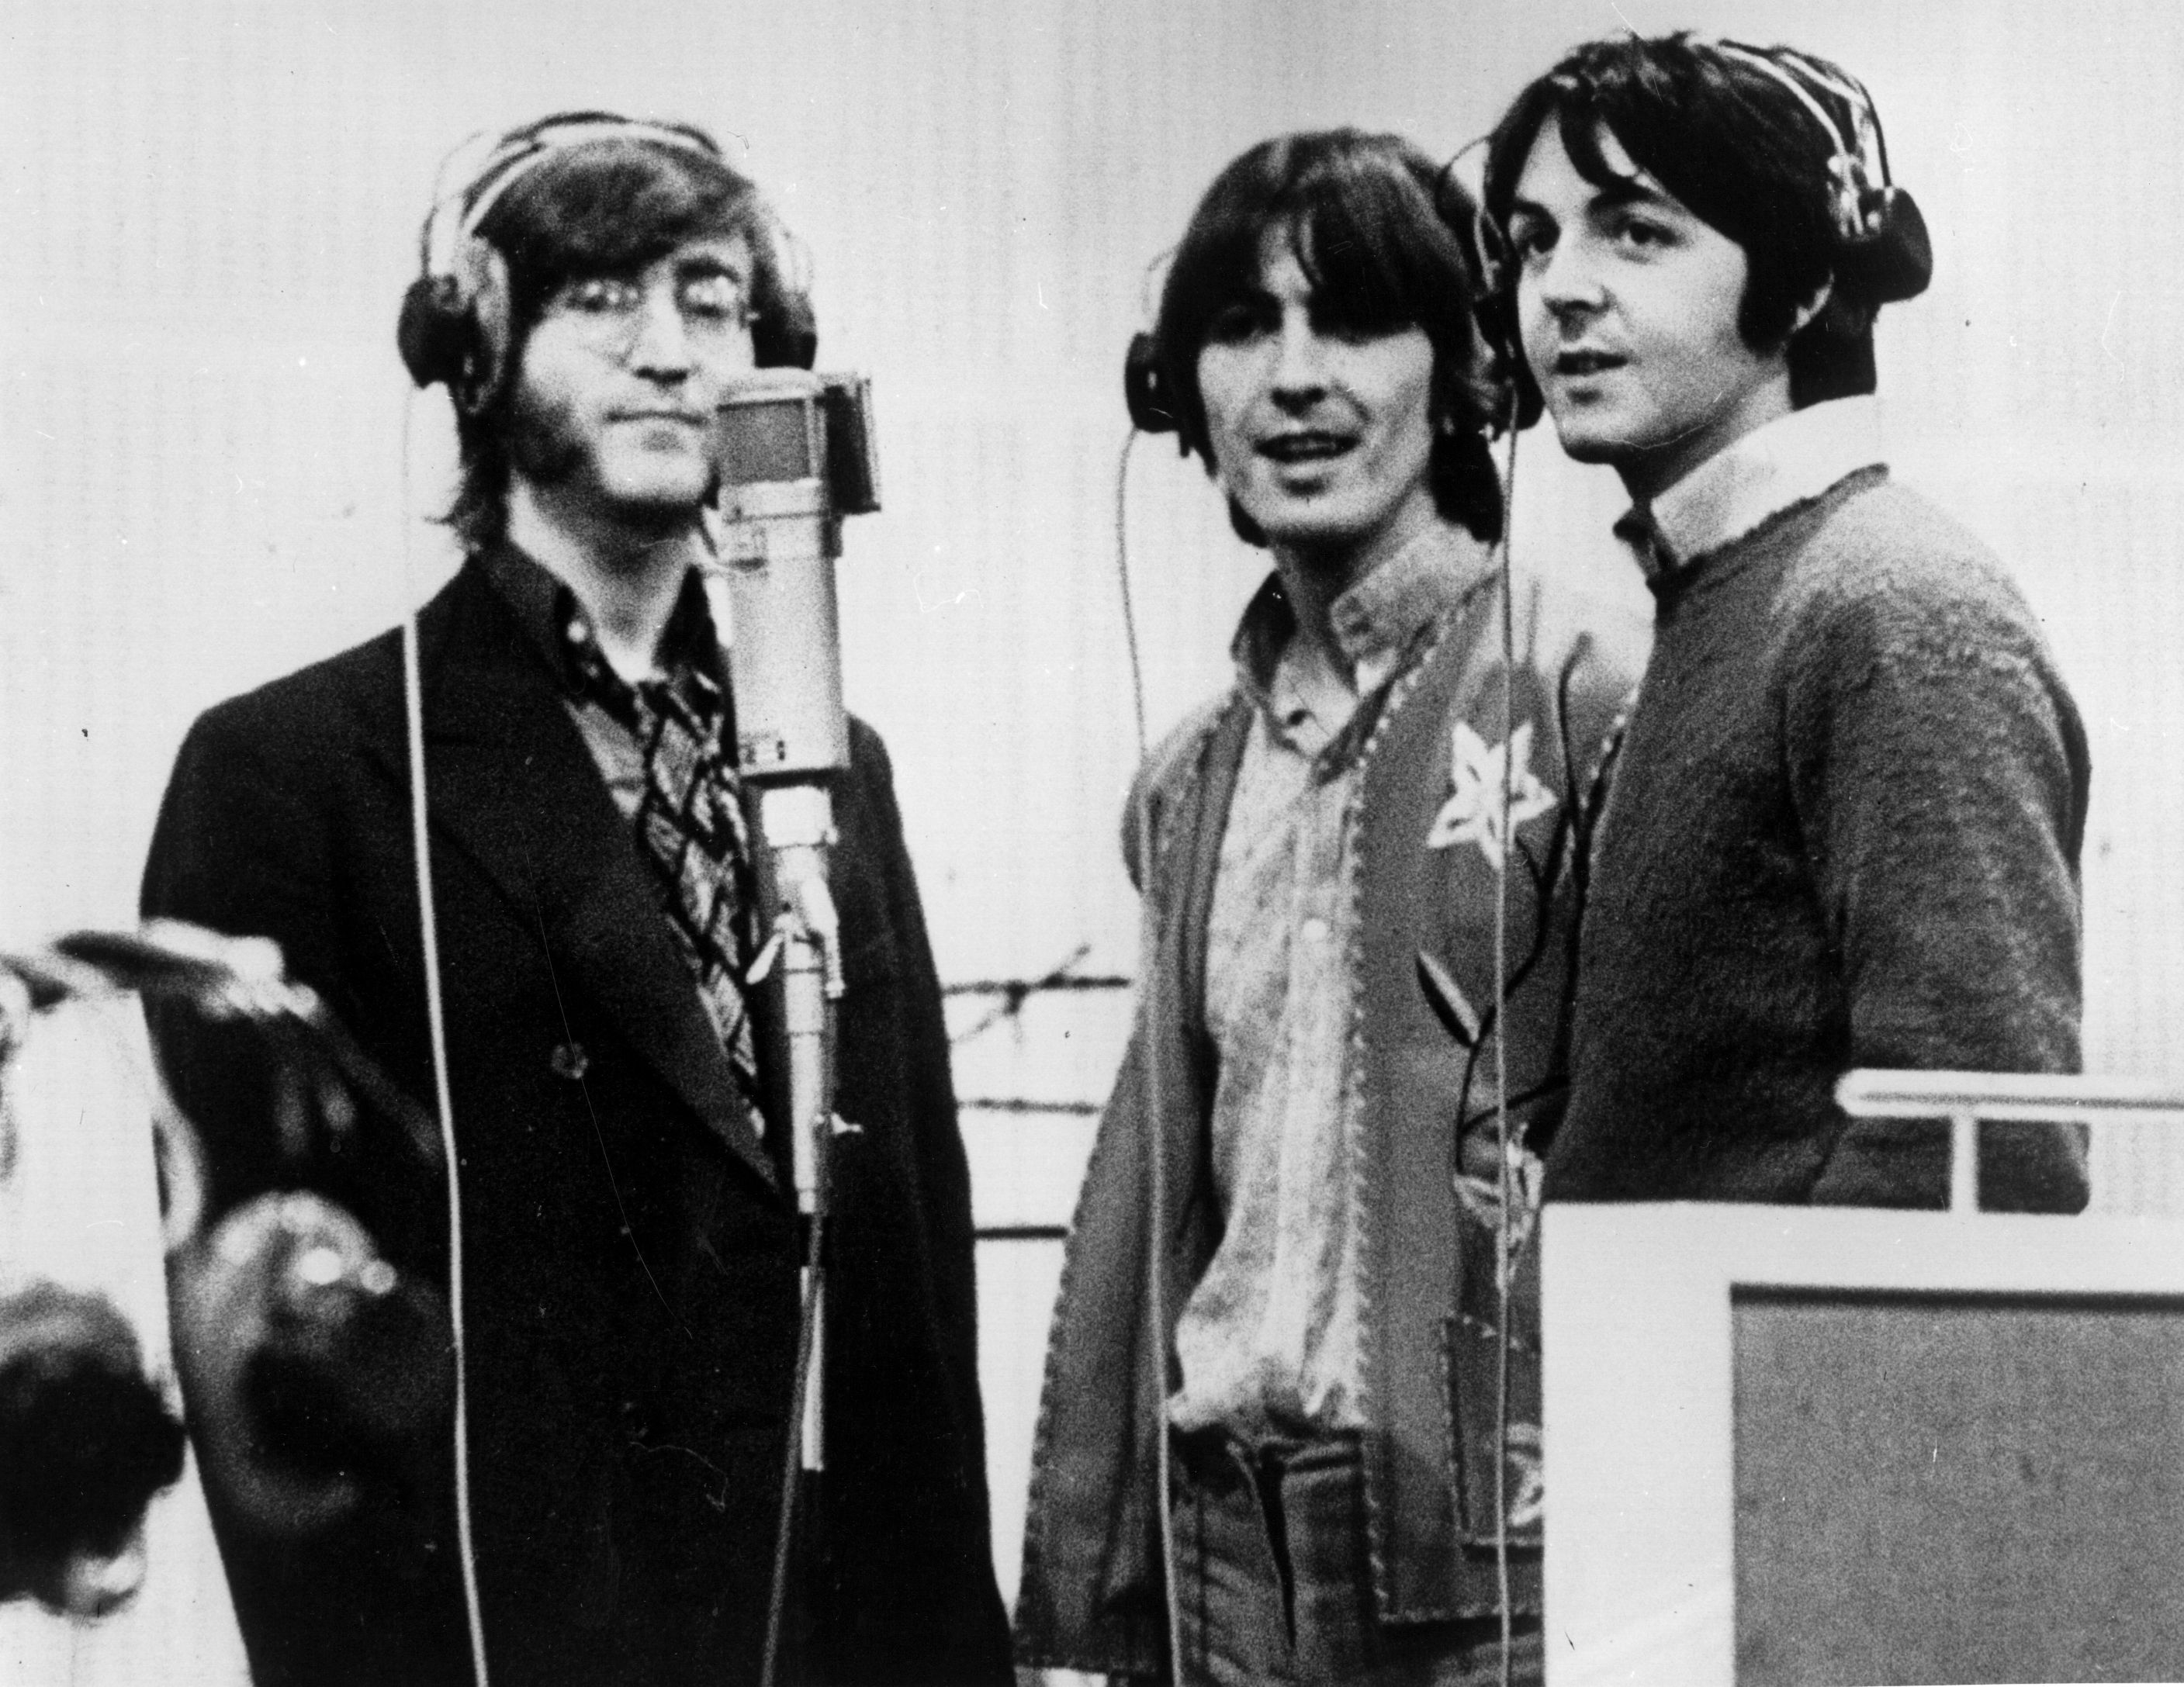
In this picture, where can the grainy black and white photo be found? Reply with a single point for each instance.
(1006, 844)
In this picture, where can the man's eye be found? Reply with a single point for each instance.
(600, 297)
(1349, 328)
(1233, 324)
(1642, 234)
(1531, 240)
(713, 299)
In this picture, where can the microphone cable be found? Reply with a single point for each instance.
(1503, 1134)
(413, 708)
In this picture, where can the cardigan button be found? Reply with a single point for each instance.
(569, 1060)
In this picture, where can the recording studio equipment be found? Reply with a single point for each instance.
(796, 453)
(86, 1441)
(307, 1358)
(1865, 1444)
(305, 1355)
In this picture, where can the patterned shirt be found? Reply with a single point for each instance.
(555, 623)
(694, 835)
(1268, 1339)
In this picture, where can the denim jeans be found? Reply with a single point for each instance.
(1275, 1583)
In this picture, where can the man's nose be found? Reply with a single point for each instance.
(662, 343)
(1300, 362)
(1567, 279)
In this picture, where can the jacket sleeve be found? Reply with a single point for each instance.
(931, 1102)
(1940, 774)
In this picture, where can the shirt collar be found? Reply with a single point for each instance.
(1789, 460)
(552, 619)
(1377, 621)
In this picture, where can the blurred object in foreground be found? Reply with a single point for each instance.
(85, 1441)
(305, 1358)
(304, 1355)
(87, 1433)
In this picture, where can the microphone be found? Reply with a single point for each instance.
(795, 454)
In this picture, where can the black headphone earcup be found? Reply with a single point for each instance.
(434, 333)
(1145, 391)
(1896, 259)
(791, 342)
(1496, 314)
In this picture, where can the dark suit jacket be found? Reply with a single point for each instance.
(630, 1262)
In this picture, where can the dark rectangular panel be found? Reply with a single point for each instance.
(1958, 1487)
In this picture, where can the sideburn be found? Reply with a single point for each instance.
(541, 447)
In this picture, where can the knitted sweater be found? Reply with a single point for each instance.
(1844, 832)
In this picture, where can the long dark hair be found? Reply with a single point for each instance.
(1385, 239)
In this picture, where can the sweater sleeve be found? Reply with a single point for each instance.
(1939, 773)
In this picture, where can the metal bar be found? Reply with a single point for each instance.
(1031, 987)
(1003, 1104)
(1963, 1162)
(1875, 1093)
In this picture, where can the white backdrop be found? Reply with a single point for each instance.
(212, 208)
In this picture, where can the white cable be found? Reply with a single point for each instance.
(1502, 1131)
(1122, 573)
(413, 701)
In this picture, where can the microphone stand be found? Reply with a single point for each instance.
(794, 454)
(798, 822)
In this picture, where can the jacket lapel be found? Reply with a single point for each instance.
(510, 784)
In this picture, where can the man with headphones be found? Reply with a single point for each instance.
(615, 1067)
(1273, 1445)
(1848, 807)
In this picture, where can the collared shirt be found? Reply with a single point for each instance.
(555, 623)
(1268, 1339)
(611, 716)
(1789, 460)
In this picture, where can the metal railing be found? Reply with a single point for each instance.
(1964, 1098)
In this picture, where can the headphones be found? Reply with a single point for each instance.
(1882, 247)
(455, 326)
(1145, 392)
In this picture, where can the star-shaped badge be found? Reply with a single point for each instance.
(1473, 814)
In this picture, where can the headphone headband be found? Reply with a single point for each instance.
(517, 154)
(1882, 238)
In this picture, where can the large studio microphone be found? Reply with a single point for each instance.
(795, 454)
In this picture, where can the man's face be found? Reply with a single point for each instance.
(1321, 431)
(620, 377)
(1629, 305)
